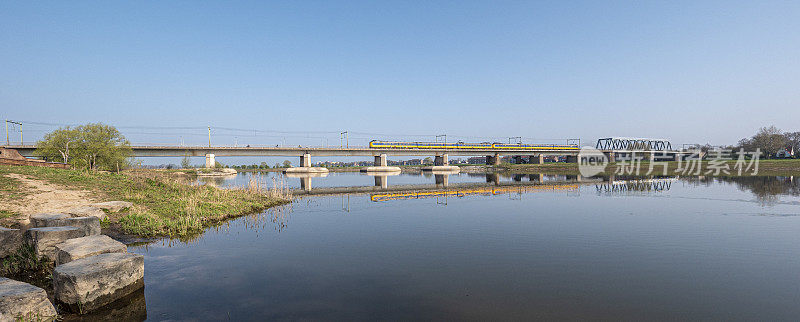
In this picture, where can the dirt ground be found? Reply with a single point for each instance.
(43, 197)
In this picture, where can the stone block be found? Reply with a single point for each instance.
(83, 247)
(23, 302)
(87, 211)
(90, 225)
(10, 241)
(113, 206)
(45, 239)
(50, 220)
(87, 284)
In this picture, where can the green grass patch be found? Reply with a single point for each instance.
(11, 189)
(25, 266)
(7, 214)
(165, 204)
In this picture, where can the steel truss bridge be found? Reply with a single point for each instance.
(633, 144)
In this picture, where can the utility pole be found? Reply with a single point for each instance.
(442, 136)
(518, 138)
(347, 138)
(209, 136)
(8, 140)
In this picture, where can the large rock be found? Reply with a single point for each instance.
(45, 239)
(87, 211)
(10, 241)
(89, 283)
(83, 247)
(90, 225)
(50, 220)
(113, 206)
(23, 302)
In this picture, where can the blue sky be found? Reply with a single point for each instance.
(693, 71)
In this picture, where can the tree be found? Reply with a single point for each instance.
(287, 163)
(277, 165)
(769, 139)
(427, 160)
(92, 146)
(264, 165)
(56, 145)
(185, 162)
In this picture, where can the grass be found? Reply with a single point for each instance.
(25, 266)
(164, 204)
(7, 214)
(11, 189)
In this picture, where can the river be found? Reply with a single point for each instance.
(514, 248)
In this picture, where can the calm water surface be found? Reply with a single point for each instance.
(669, 249)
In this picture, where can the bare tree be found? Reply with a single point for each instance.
(769, 140)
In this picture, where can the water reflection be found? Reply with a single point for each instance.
(305, 178)
(216, 180)
(479, 191)
(130, 308)
(767, 190)
(634, 186)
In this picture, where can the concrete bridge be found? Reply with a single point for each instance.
(493, 155)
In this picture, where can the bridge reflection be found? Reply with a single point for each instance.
(441, 186)
(635, 186)
(481, 191)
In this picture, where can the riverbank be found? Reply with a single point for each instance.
(165, 203)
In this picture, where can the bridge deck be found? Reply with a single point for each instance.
(178, 151)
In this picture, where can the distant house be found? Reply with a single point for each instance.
(476, 160)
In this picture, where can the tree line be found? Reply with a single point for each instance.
(771, 140)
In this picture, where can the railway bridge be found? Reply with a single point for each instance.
(611, 147)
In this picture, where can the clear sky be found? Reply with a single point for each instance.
(692, 71)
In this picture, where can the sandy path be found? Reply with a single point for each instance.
(45, 197)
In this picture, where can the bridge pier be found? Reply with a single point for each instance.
(493, 159)
(380, 160)
(305, 166)
(381, 165)
(442, 163)
(442, 179)
(305, 177)
(382, 181)
(611, 156)
(210, 162)
(493, 178)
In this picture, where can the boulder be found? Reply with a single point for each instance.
(87, 211)
(10, 241)
(87, 284)
(45, 239)
(83, 247)
(90, 225)
(113, 206)
(50, 220)
(23, 302)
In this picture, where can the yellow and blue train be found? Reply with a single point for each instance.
(374, 144)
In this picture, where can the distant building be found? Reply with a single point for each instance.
(476, 160)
